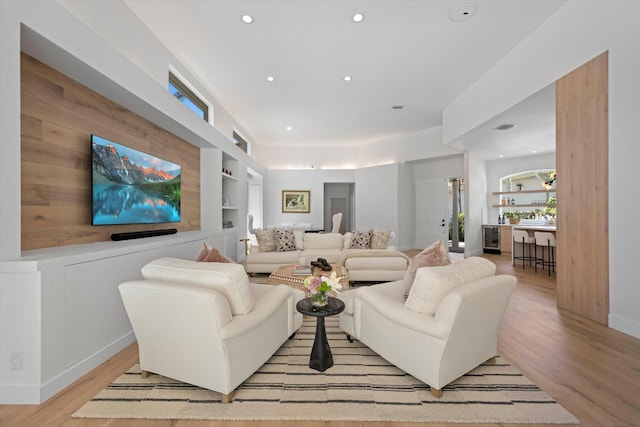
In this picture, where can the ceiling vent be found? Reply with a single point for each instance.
(506, 126)
(397, 107)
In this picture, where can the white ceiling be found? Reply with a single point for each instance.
(534, 134)
(405, 52)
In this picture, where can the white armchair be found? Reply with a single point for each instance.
(448, 325)
(205, 323)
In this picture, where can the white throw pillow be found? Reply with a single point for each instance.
(229, 279)
(435, 255)
(266, 240)
(380, 239)
(432, 284)
(347, 240)
(299, 236)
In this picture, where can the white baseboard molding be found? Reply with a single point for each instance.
(625, 325)
(35, 394)
(83, 367)
(20, 394)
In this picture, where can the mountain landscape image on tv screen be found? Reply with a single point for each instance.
(132, 187)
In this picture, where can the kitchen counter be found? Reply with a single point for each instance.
(546, 227)
(515, 246)
(506, 242)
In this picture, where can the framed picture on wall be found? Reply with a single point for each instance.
(294, 201)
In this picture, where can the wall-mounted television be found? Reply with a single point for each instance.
(132, 187)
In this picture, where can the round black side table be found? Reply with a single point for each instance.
(321, 358)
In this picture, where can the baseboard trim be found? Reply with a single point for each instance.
(22, 394)
(35, 394)
(78, 370)
(625, 325)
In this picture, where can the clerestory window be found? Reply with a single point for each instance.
(188, 98)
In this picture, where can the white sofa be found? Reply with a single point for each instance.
(361, 264)
(447, 326)
(205, 323)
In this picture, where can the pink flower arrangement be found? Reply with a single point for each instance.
(322, 284)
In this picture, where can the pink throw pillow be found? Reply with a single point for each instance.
(204, 251)
(436, 254)
(210, 254)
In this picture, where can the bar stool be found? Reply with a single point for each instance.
(546, 240)
(523, 237)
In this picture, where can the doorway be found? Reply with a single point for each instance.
(339, 197)
(431, 211)
(254, 202)
(456, 221)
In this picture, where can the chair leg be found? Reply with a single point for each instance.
(145, 374)
(437, 393)
(227, 398)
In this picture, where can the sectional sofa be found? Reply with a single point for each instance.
(381, 263)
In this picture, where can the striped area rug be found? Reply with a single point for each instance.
(361, 386)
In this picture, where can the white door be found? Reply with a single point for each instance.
(431, 212)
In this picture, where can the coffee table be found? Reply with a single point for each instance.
(285, 275)
(321, 358)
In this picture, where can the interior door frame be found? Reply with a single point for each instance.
(441, 224)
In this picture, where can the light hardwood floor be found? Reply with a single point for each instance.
(593, 371)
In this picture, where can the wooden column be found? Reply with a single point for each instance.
(582, 165)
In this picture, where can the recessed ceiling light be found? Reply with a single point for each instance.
(462, 12)
(347, 78)
(271, 79)
(534, 152)
(358, 17)
(247, 19)
(501, 156)
(289, 128)
(506, 126)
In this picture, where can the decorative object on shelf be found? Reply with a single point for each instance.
(513, 216)
(520, 187)
(295, 201)
(319, 288)
(548, 182)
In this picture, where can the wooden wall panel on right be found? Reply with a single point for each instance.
(582, 137)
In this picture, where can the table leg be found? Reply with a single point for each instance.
(321, 358)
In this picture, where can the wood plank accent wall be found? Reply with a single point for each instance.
(582, 162)
(58, 116)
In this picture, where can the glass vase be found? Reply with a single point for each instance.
(320, 299)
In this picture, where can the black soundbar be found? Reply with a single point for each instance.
(141, 234)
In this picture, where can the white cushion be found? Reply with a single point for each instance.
(323, 241)
(433, 283)
(229, 279)
(299, 236)
(346, 244)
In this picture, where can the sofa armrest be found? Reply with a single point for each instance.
(275, 299)
(393, 309)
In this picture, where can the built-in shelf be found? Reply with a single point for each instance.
(541, 205)
(496, 193)
(230, 191)
(226, 175)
